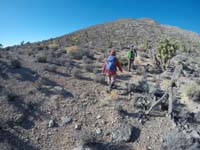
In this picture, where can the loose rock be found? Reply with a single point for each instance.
(122, 133)
(66, 120)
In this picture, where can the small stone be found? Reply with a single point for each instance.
(66, 119)
(148, 148)
(84, 95)
(197, 117)
(96, 124)
(88, 113)
(30, 118)
(26, 140)
(161, 140)
(55, 129)
(107, 133)
(77, 126)
(98, 131)
(54, 98)
(99, 117)
(103, 122)
(51, 124)
(37, 138)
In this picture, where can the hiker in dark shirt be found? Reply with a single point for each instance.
(132, 53)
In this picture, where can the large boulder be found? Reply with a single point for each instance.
(122, 133)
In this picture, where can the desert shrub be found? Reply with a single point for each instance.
(86, 60)
(99, 78)
(189, 89)
(53, 46)
(57, 54)
(39, 48)
(31, 53)
(11, 96)
(22, 43)
(102, 50)
(101, 59)
(96, 70)
(15, 63)
(76, 73)
(123, 61)
(166, 49)
(75, 52)
(42, 58)
(89, 67)
(51, 68)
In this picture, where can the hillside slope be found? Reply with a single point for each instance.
(53, 95)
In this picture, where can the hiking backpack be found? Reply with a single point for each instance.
(131, 54)
(111, 63)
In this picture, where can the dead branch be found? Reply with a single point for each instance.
(169, 91)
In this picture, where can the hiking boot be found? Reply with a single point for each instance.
(111, 86)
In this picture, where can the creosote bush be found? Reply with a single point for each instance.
(75, 52)
(15, 63)
(99, 78)
(53, 46)
(123, 61)
(76, 73)
(42, 58)
(89, 67)
(189, 89)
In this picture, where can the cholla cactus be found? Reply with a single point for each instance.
(166, 50)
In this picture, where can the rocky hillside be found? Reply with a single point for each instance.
(53, 95)
(121, 33)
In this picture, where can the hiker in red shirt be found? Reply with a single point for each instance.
(110, 67)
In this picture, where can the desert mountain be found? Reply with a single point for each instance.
(54, 96)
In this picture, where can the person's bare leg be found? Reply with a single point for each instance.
(132, 63)
(129, 65)
(109, 79)
(113, 77)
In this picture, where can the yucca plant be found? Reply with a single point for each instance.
(166, 49)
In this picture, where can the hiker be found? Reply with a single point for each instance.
(132, 53)
(110, 67)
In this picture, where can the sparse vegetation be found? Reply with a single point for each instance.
(99, 78)
(51, 68)
(43, 94)
(53, 46)
(76, 73)
(1, 45)
(89, 67)
(15, 63)
(75, 52)
(86, 60)
(189, 89)
(123, 61)
(96, 70)
(42, 58)
(166, 50)
(22, 43)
